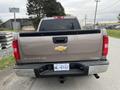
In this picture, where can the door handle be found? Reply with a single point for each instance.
(60, 40)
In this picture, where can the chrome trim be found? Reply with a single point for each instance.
(92, 70)
(25, 72)
(97, 69)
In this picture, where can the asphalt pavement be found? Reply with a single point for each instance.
(109, 80)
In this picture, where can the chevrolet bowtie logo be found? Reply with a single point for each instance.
(60, 48)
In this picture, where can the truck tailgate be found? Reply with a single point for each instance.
(82, 45)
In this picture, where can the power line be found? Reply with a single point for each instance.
(103, 12)
(112, 5)
(109, 8)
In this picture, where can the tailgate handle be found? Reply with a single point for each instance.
(58, 40)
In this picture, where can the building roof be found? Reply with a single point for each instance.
(16, 19)
(13, 20)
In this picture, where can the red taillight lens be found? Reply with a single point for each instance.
(105, 45)
(16, 50)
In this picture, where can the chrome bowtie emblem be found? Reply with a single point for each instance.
(61, 48)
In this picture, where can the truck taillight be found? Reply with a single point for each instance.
(16, 50)
(105, 45)
(58, 17)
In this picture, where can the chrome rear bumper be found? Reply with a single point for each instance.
(90, 68)
(97, 69)
(25, 72)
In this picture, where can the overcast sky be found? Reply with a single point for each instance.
(108, 10)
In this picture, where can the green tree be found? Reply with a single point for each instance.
(1, 21)
(118, 17)
(38, 9)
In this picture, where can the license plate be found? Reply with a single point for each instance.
(62, 67)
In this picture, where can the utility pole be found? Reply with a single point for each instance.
(14, 11)
(14, 17)
(95, 12)
(85, 20)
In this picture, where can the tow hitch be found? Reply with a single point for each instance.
(96, 76)
(62, 79)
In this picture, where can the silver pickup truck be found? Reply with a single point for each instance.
(60, 48)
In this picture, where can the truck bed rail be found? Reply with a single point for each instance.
(51, 33)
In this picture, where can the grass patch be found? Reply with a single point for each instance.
(9, 30)
(114, 33)
(6, 62)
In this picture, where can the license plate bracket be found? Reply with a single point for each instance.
(62, 67)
